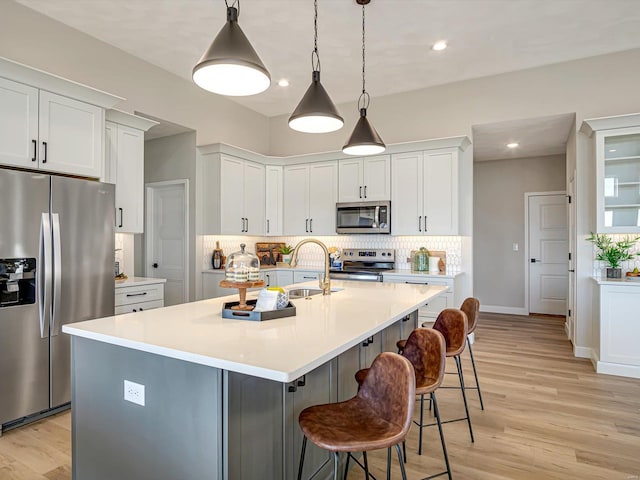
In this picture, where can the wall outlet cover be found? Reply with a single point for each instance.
(134, 393)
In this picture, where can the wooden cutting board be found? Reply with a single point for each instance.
(432, 253)
(269, 253)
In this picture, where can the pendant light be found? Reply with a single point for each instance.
(364, 139)
(315, 113)
(231, 66)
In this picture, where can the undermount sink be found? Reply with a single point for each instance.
(308, 292)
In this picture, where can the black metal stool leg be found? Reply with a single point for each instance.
(475, 373)
(304, 447)
(404, 450)
(464, 395)
(444, 446)
(346, 466)
(336, 459)
(421, 424)
(366, 465)
(404, 473)
(389, 463)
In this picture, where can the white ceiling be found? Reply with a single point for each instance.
(485, 37)
(537, 137)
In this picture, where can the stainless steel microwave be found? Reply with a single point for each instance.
(363, 217)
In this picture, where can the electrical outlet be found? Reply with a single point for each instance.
(134, 392)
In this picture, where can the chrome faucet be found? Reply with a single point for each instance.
(325, 282)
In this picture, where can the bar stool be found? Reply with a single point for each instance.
(471, 307)
(426, 350)
(379, 416)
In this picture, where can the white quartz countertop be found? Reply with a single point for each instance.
(617, 281)
(282, 349)
(138, 282)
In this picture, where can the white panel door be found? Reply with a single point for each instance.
(231, 195)
(254, 178)
(296, 200)
(167, 240)
(71, 136)
(440, 194)
(273, 200)
(350, 180)
(377, 178)
(548, 254)
(406, 194)
(323, 195)
(18, 124)
(130, 180)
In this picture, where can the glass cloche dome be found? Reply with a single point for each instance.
(242, 266)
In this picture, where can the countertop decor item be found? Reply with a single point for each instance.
(442, 260)
(286, 251)
(421, 260)
(269, 253)
(242, 272)
(231, 66)
(612, 252)
(217, 257)
(316, 113)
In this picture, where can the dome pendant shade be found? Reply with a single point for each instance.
(231, 66)
(316, 113)
(364, 139)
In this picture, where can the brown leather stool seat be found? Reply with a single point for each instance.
(379, 416)
(425, 349)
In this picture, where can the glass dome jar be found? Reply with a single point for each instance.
(242, 266)
(421, 260)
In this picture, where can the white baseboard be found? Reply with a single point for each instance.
(566, 330)
(632, 371)
(583, 352)
(505, 310)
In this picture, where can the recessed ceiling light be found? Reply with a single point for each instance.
(513, 145)
(283, 82)
(440, 45)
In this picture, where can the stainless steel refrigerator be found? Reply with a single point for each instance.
(56, 267)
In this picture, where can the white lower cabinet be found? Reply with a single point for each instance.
(431, 310)
(137, 297)
(273, 278)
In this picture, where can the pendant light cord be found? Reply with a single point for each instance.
(364, 96)
(315, 57)
(233, 5)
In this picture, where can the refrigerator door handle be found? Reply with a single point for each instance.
(57, 274)
(44, 276)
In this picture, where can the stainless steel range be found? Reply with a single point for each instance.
(365, 265)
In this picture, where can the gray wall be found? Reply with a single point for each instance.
(41, 42)
(173, 158)
(498, 213)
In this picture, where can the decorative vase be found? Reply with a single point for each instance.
(286, 257)
(614, 273)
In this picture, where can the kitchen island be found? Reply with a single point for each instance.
(222, 397)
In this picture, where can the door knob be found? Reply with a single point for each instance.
(533, 260)
(155, 265)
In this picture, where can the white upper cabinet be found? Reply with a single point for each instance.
(365, 179)
(71, 134)
(425, 193)
(18, 124)
(124, 166)
(232, 192)
(310, 196)
(617, 155)
(274, 200)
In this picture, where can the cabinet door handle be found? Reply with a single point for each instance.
(267, 226)
(420, 223)
(309, 278)
(360, 192)
(425, 223)
(134, 310)
(121, 217)
(246, 229)
(44, 159)
(268, 280)
(311, 225)
(306, 225)
(35, 149)
(417, 283)
(365, 191)
(242, 224)
(303, 382)
(136, 294)
(141, 309)
(292, 387)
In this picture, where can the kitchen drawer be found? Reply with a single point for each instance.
(139, 307)
(300, 277)
(138, 294)
(435, 306)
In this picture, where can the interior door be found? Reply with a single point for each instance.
(82, 221)
(548, 254)
(440, 194)
(296, 200)
(406, 201)
(254, 196)
(571, 310)
(166, 233)
(323, 196)
(18, 124)
(24, 337)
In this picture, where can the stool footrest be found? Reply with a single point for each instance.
(454, 420)
(436, 475)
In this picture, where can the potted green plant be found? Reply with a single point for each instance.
(286, 251)
(614, 253)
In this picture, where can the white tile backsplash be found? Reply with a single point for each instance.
(312, 256)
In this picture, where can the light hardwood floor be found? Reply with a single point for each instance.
(547, 416)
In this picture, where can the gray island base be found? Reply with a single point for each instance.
(222, 397)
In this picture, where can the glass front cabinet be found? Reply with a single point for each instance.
(617, 153)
